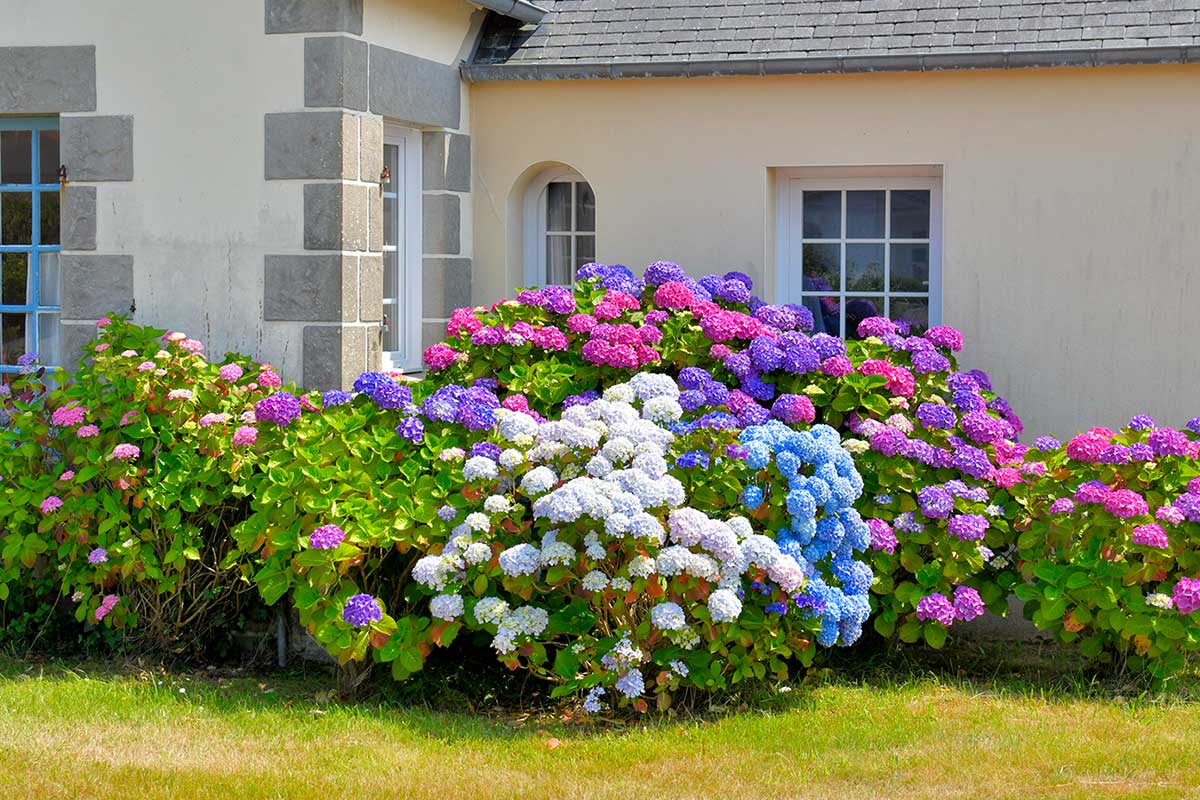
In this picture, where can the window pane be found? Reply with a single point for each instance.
(14, 284)
(558, 260)
(12, 336)
(49, 212)
(48, 156)
(16, 157)
(585, 250)
(390, 275)
(910, 214)
(391, 334)
(910, 268)
(558, 207)
(914, 310)
(822, 267)
(858, 309)
(16, 217)
(48, 280)
(864, 215)
(585, 208)
(864, 268)
(389, 221)
(826, 313)
(48, 340)
(823, 215)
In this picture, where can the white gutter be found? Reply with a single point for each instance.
(517, 9)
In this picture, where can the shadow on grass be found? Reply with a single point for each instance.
(462, 694)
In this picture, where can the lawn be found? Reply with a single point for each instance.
(933, 729)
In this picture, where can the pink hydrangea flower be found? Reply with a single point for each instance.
(179, 394)
(268, 378)
(440, 356)
(1087, 447)
(68, 416)
(1151, 535)
(145, 366)
(606, 310)
(837, 366)
(1006, 477)
(1125, 503)
(87, 431)
(125, 451)
(100, 348)
(51, 504)
(549, 338)
(462, 320)
(107, 604)
(192, 346)
(230, 373)
(651, 334)
(674, 295)
(129, 353)
(208, 420)
(174, 336)
(128, 417)
(68, 475)
(1187, 595)
(1169, 514)
(245, 436)
(945, 336)
(581, 323)
(103, 322)
(720, 351)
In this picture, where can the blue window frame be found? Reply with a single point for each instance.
(29, 240)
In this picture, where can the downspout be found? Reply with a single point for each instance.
(521, 10)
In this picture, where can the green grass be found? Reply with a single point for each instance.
(1007, 723)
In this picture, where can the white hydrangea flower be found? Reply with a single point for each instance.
(724, 606)
(490, 611)
(511, 458)
(671, 561)
(618, 450)
(620, 584)
(599, 467)
(477, 553)
(1160, 600)
(513, 424)
(668, 616)
(649, 385)
(662, 410)
(521, 559)
(593, 548)
(595, 581)
(642, 566)
(620, 393)
(856, 446)
(480, 468)
(495, 504)
(446, 606)
(538, 480)
(478, 521)
(760, 550)
(434, 571)
(557, 554)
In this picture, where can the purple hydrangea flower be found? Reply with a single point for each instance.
(935, 416)
(1141, 422)
(98, 556)
(361, 610)
(1062, 505)
(936, 607)
(326, 537)
(968, 527)
(1045, 443)
(936, 502)
(411, 429)
(926, 362)
(282, 408)
(485, 449)
(967, 603)
(972, 461)
(1168, 442)
(335, 397)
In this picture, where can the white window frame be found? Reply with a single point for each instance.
(407, 224)
(790, 185)
(535, 221)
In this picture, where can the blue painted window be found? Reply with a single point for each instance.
(29, 240)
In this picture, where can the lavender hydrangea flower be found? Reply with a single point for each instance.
(326, 537)
(1045, 443)
(98, 556)
(967, 604)
(968, 527)
(935, 607)
(936, 502)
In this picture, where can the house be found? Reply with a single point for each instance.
(320, 181)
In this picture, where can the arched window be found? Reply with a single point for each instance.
(560, 227)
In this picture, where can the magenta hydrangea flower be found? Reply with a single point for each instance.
(967, 604)
(1187, 595)
(68, 475)
(888, 441)
(361, 610)
(87, 431)
(230, 373)
(674, 295)
(1125, 503)
(793, 409)
(326, 537)
(1092, 492)
(876, 326)
(1169, 514)
(945, 336)
(126, 452)
(268, 378)
(1087, 447)
(51, 504)
(1150, 535)
(882, 536)
(440, 356)
(245, 436)
(935, 607)
(98, 556)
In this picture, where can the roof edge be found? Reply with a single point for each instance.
(905, 62)
(517, 9)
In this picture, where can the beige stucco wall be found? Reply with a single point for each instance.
(433, 29)
(1072, 200)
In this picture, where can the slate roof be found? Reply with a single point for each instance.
(616, 38)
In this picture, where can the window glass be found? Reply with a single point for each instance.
(30, 200)
(880, 264)
(567, 230)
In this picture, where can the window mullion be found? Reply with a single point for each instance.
(887, 253)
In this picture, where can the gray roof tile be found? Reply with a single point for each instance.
(596, 32)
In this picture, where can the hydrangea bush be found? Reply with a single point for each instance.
(125, 481)
(913, 421)
(1110, 546)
